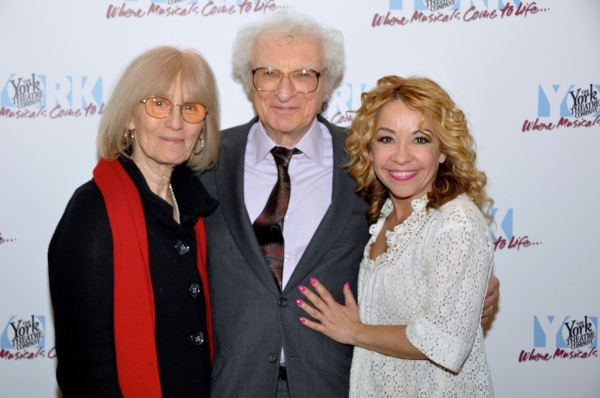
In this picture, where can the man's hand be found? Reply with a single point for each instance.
(491, 298)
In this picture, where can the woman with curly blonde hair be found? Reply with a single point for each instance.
(456, 175)
(423, 278)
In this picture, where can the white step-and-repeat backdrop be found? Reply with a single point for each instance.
(527, 74)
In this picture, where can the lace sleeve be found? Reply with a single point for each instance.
(457, 268)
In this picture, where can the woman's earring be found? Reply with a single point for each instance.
(198, 152)
(129, 137)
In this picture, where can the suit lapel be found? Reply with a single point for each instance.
(342, 205)
(230, 188)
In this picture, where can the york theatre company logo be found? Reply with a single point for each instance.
(27, 91)
(584, 101)
(33, 95)
(563, 337)
(435, 5)
(24, 338)
(406, 12)
(24, 333)
(565, 106)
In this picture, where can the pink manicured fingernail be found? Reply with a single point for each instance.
(347, 285)
(302, 288)
(313, 280)
(299, 302)
(302, 319)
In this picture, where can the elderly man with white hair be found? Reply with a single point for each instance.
(288, 214)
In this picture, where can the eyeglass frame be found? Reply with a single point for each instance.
(173, 105)
(319, 74)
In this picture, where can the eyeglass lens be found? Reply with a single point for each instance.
(160, 108)
(304, 81)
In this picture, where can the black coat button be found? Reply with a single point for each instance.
(194, 290)
(271, 357)
(197, 338)
(182, 247)
(283, 302)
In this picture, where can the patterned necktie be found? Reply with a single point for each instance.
(268, 227)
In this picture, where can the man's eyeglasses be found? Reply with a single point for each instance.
(160, 108)
(302, 81)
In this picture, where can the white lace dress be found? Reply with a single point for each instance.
(433, 278)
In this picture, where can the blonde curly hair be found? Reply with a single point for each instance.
(458, 174)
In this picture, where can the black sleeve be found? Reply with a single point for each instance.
(80, 266)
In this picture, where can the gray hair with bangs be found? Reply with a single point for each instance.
(153, 73)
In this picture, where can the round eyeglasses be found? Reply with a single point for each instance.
(302, 81)
(160, 108)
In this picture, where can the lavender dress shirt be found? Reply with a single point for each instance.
(311, 177)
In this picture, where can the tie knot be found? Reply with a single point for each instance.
(282, 155)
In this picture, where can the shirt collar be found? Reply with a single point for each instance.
(311, 144)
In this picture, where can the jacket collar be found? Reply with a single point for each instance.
(192, 198)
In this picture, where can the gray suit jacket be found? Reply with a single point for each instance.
(252, 320)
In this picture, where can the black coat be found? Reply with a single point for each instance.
(80, 263)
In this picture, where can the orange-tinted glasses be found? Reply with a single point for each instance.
(160, 108)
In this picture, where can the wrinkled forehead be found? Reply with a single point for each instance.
(287, 52)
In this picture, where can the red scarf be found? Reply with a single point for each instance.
(134, 318)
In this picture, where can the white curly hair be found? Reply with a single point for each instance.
(285, 23)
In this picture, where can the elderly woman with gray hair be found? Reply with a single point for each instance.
(127, 262)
